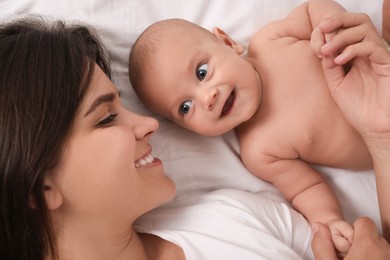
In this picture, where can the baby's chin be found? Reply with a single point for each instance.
(209, 129)
(213, 130)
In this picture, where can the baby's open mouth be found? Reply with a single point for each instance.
(228, 104)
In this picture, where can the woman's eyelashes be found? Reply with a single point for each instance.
(201, 71)
(108, 120)
(185, 107)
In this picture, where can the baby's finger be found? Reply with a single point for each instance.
(317, 40)
(341, 244)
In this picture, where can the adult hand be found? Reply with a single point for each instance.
(367, 243)
(361, 89)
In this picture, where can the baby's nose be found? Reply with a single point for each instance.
(210, 98)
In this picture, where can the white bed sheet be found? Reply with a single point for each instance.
(200, 164)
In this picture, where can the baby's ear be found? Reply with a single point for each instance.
(222, 35)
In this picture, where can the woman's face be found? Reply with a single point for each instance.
(106, 169)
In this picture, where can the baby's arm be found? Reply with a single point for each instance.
(299, 24)
(308, 192)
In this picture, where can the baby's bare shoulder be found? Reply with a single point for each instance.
(265, 143)
(273, 39)
(294, 27)
(269, 32)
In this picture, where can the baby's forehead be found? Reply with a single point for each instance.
(180, 29)
(167, 29)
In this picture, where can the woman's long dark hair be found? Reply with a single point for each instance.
(45, 70)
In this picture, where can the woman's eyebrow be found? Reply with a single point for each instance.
(107, 98)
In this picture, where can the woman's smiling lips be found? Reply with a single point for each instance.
(228, 104)
(146, 160)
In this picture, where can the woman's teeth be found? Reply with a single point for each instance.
(144, 161)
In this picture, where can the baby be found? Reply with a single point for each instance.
(275, 97)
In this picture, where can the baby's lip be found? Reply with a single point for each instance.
(228, 104)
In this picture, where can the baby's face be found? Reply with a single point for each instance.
(200, 83)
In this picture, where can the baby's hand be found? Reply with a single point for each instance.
(342, 235)
(319, 39)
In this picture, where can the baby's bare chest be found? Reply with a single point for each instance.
(298, 117)
(321, 140)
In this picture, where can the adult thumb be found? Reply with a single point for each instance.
(321, 244)
(334, 74)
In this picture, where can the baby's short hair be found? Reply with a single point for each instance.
(148, 43)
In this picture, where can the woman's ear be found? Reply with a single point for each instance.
(222, 35)
(53, 196)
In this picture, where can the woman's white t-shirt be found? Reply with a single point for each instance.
(231, 224)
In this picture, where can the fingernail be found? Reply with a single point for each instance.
(340, 58)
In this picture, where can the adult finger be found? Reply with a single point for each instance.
(368, 243)
(321, 244)
(344, 20)
(365, 228)
(370, 50)
(351, 36)
(334, 73)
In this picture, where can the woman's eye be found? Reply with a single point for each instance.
(201, 71)
(185, 107)
(107, 120)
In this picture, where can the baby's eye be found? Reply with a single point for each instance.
(201, 71)
(185, 107)
(107, 120)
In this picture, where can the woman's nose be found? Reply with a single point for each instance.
(144, 126)
(209, 98)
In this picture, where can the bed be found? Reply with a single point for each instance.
(202, 166)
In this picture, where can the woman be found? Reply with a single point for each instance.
(74, 161)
